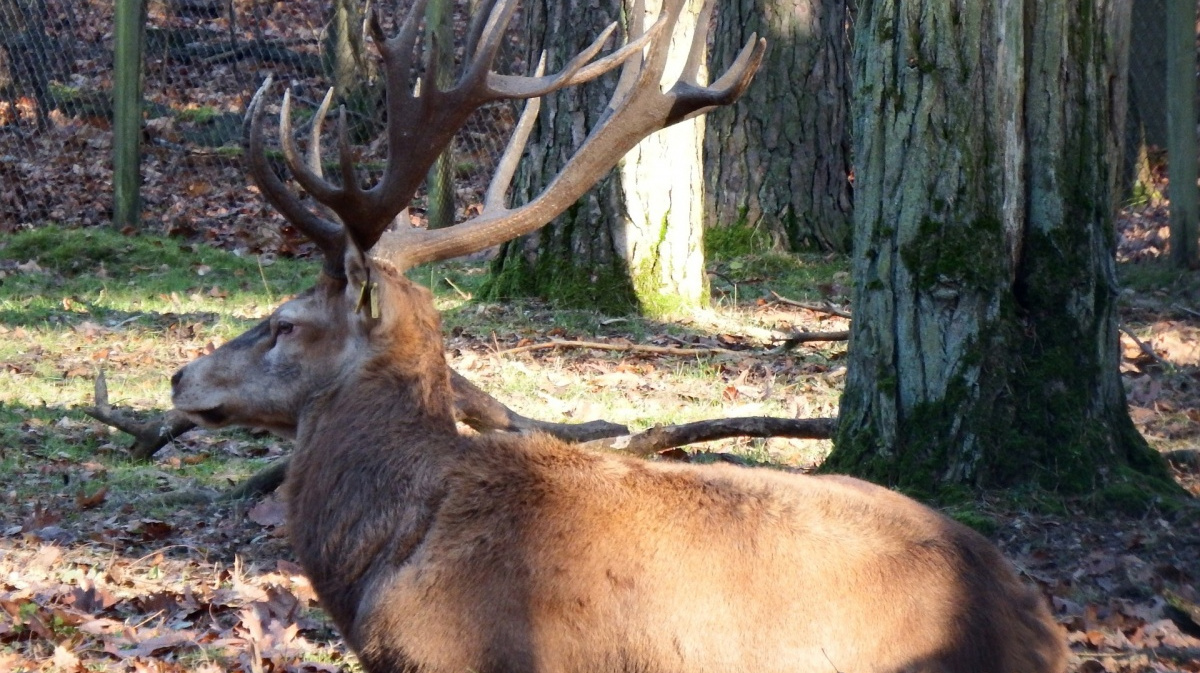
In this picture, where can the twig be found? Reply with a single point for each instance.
(1186, 310)
(819, 308)
(464, 295)
(636, 348)
(1142, 345)
(1188, 459)
(663, 437)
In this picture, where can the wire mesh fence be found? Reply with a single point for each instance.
(203, 61)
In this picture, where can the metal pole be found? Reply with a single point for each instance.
(127, 113)
(1181, 131)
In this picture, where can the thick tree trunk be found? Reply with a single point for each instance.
(635, 240)
(984, 346)
(778, 160)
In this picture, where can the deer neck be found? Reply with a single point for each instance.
(379, 447)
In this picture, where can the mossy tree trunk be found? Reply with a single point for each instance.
(984, 348)
(634, 242)
(778, 160)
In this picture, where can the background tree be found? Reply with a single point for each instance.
(984, 347)
(779, 159)
(635, 240)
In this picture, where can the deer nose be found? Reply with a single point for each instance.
(176, 378)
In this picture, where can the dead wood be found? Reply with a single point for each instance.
(818, 308)
(148, 436)
(473, 406)
(1184, 459)
(664, 437)
(631, 348)
(1145, 348)
(798, 338)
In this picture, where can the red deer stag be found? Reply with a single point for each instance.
(436, 552)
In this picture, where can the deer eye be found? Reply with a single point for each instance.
(284, 327)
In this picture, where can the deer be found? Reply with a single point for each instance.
(438, 551)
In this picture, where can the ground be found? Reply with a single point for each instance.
(100, 571)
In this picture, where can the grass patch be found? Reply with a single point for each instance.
(1158, 277)
(198, 115)
(799, 276)
(73, 301)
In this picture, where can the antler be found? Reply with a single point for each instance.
(421, 124)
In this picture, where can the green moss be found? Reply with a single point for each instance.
(726, 242)
(653, 302)
(1127, 498)
(973, 518)
(564, 284)
(969, 256)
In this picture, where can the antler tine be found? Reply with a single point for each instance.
(576, 71)
(691, 69)
(490, 40)
(634, 66)
(692, 100)
(328, 236)
(507, 166)
(311, 180)
(639, 107)
(478, 22)
(314, 135)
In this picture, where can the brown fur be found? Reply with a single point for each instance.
(436, 552)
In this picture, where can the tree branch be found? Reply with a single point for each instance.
(798, 338)
(663, 437)
(819, 308)
(634, 348)
(148, 436)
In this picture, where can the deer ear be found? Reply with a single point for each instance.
(362, 286)
(357, 268)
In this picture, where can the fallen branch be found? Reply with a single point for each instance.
(819, 308)
(1184, 459)
(808, 337)
(1146, 349)
(663, 437)
(148, 436)
(635, 348)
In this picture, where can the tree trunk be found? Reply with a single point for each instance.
(778, 160)
(634, 241)
(984, 347)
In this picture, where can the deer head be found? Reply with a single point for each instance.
(263, 377)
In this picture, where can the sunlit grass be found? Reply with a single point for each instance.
(75, 302)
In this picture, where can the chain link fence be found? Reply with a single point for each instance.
(203, 61)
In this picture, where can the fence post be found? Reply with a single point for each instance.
(127, 113)
(1181, 131)
(439, 181)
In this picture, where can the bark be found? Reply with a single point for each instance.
(984, 347)
(778, 160)
(634, 241)
(344, 48)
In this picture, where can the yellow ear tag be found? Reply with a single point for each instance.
(374, 292)
(363, 290)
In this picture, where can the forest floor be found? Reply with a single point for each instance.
(99, 573)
